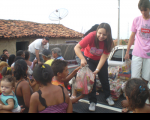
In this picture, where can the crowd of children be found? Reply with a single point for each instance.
(42, 90)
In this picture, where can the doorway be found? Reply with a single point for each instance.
(22, 45)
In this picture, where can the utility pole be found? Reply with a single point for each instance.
(118, 22)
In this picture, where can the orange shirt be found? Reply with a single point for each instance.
(56, 82)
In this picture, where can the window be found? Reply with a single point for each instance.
(117, 56)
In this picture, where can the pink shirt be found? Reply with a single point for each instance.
(142, 40)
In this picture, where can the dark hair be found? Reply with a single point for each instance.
(11, 59)
(93, 28)
(43, 74)
(20, 69)
(137, 92)
(9, 78)
(4, 57)
(5, 50)
(108, 43)
(19, 52)
(27, 54)
(58, 66)
(144, 4)
(6, 71)
(19, 58)
(46, 38)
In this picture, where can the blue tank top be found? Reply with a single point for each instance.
(4, 99)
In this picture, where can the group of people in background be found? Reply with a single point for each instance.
(36, 82)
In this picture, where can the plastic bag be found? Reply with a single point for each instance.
(84, 80)
(115, 89)
(126, 67)
(113, 72)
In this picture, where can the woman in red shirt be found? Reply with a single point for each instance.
(97, 46)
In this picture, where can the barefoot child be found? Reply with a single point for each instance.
(137, 93)
(8, 96)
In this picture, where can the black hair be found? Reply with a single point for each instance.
(9, 78)
(27, 54)
(144, 4)
(43, 73)
(6, 71)
(58, 66)
(46, 38)
(19, 52)
(93, 28)
(18, 58)
(4, 57)
(108, 43)
(5, 50)
(20, 69)
(137, 92)
(11, 59)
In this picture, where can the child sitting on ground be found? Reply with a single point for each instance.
(8, 96)
(137, 93)
(60, 70)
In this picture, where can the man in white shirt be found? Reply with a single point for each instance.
(36, 48)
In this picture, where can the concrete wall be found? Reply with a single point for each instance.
(10, 44)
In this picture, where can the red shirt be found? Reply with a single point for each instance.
(90, 49)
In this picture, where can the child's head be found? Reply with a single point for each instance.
(27, 55)
(2, 65)
(104, 34)
(20, 53)
(11, 59)
(46, 54)
(6, 71)
(43, 74)
(7, 84)
(20, 69)
(60, 68)
(144, 6)
(137, 93)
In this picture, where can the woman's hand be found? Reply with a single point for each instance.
(83, 62)
(95, 72)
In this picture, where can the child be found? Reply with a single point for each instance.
(61, 76)
(46, 54)
(8, 96)
(50, 98)
(137, 93)
(6, 71)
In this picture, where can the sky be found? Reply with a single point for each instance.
(82, 14)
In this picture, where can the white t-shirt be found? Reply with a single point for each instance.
(37, 44)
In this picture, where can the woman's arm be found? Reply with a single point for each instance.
(78, 52)
(101, 63)
(33, 103)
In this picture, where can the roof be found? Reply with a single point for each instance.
(19, 29)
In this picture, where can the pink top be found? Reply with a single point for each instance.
(142, 41)
(61, 108)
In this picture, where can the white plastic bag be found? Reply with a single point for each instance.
(84, 80)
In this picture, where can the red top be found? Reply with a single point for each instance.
(90, 49)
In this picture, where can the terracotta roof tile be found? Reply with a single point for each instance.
(18, 28)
